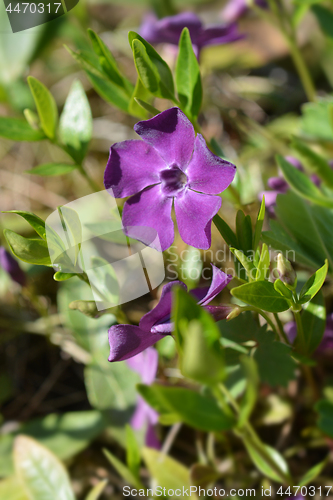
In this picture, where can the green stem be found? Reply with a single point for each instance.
(252, 438)
(264, 315)
(281, 329)
(301, 67)
(300, 331)
(90, 181)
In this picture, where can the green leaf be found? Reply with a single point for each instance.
(325, 18)
(153, 71)
(244, 231)
(282, 289)
(198, 338)
(316, 121)
(33, 251)
(46, 106)
(188, 406)
(246, 262)
(263, 264)
(108, 63)
(276, 469)
(252, 382)
(138, 105)
(166, 471)
(225, 231)
(188, 79)
(314, 323)
(104, 279)
(325, 420)
(302, 185)
(316, 163)
(35, 222)
(11, 489)
(261, 294)
(275, 364)
(87, 307)
(71, 226)
(75, 126)
(52, 169)
(259, 224)
(133, 457)
(18, 130)
(314, 284)
(97, 490)
(41, 473)
(313, 473)
(59, 276)
(122, 470)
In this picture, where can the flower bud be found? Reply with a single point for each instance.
(87, 307)
(286, 272)
(10, 265)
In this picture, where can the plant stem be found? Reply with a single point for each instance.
(301, 67)
(251, 437)
(90, 181)
(264, 315)
(300, 331)
(280, 328)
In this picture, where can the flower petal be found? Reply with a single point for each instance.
(219, 34)
(194, 213)
(132, 166)
(127, 341)
(161, 312)
(151, 439)
(143, 414)
(219, 281)
(172, 135)
(145, 364)
(147, 212)
(168, 29)
(207, 172)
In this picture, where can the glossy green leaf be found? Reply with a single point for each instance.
(104, 279)
(325, 417)
(46, 106)
(195, 409)
(314, 284)
(282, 289)
(314, 323)
(75, 126)
(276, 468)
(153, 71)
(19, 130)
(315, 162)
(244, 231)
(259, 224)
(133, 457)
(188, 79)
(138, 105)
(41, 473)
(148, 107)
(122, 470)
(33, 251)
(263, 264)
(225, 231)
(97, 490)
(246, 262)
(59, 276)
(313, 473)
(302, 184)
(35, 222)
(108, 63)
(252, 382)
(198, 338)
(71, 226)
(261, 294)
(52, 169)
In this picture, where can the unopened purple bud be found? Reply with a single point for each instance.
(10, 265)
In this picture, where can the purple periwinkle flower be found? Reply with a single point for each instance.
(234, 9)
(326, 343)
(145, 364)
(127, 341)
(10, 265)
(170, 165)
(168, 30)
